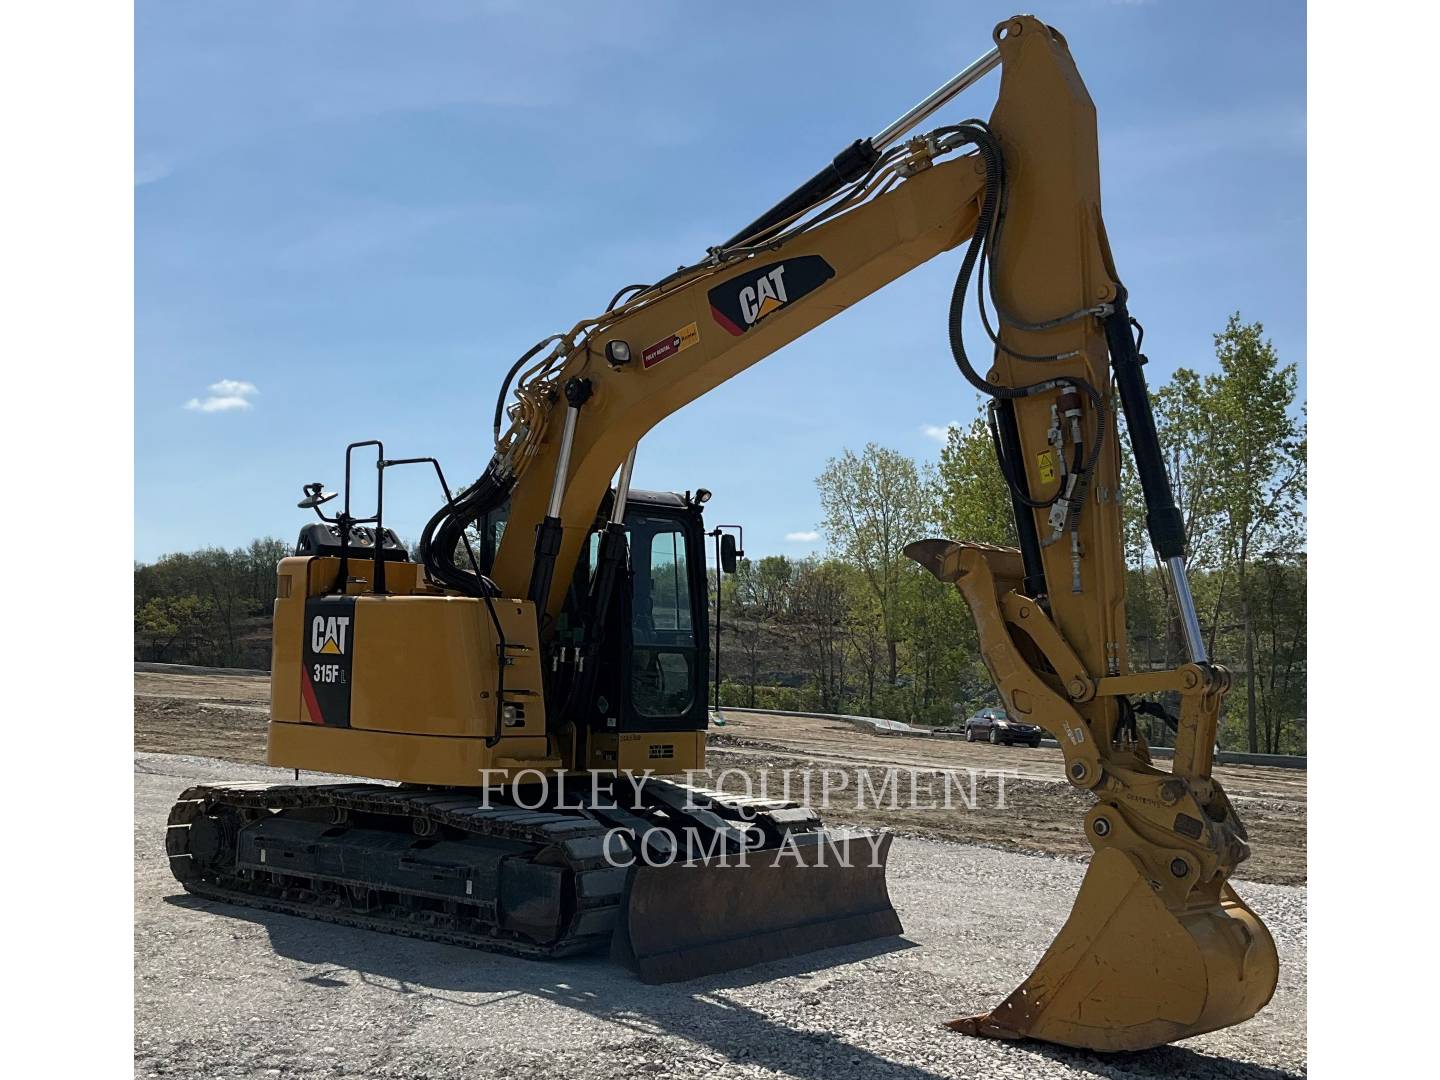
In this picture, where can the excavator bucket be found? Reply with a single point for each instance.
(704, 916)
(1128, 973)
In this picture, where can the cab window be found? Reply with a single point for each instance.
(663, 675)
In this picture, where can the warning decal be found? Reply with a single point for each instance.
(1045, 462)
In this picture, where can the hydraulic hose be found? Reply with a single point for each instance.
(510, 377)
(980, 250)
(445, 531)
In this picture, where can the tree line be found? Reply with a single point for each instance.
(209, 607)
(864, 629)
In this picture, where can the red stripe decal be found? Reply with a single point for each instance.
(312, 705)
(723, 321)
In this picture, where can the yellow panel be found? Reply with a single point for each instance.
(401, 578)
(423, 664)
(415, 759)
(427, 664)
(285, 639)
(424, 669)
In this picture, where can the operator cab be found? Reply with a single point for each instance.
(657, 674)
(653, 660)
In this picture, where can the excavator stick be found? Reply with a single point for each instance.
(1128, 973)
(697, 918)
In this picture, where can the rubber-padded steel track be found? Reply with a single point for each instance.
(456, 866)
(206, 820)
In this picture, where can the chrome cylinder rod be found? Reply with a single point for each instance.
(966, 79)
(562, 466)
(622, 487)
(1189, 618)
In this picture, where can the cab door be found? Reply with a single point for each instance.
(665, 687)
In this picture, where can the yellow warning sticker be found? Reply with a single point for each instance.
(1045, 460)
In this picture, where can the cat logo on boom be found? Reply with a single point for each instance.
(744, 301)
(327, 634)
(765, 296)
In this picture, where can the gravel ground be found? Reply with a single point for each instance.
(223, 715)
(223, 991)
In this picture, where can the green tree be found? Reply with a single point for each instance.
(236, 588)
(972, 501)
(865, 635)
(817, 612)
(756, 599)
(163, 620)
(1235, 445)
(875, 503)
(1192, 431)
(940, 636)
(1278, 610)
(1262, 473)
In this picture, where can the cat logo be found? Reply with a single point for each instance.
(328, 633)
(765, 296)
(743, 301)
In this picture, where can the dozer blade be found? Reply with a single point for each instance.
(705, 916)
(1127, 973)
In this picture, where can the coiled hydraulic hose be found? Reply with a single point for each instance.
(445, 531)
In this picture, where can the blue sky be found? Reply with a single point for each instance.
(352, 217)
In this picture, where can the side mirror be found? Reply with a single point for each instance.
(728, 554)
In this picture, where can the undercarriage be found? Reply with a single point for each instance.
(652, 866)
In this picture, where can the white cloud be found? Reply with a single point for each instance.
(802, 537)
(217, 404)
(938, 433)
(235, 387)
(227, 395)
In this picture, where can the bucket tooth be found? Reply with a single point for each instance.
(1127, 972)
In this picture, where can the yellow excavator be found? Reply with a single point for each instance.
(525, 686)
